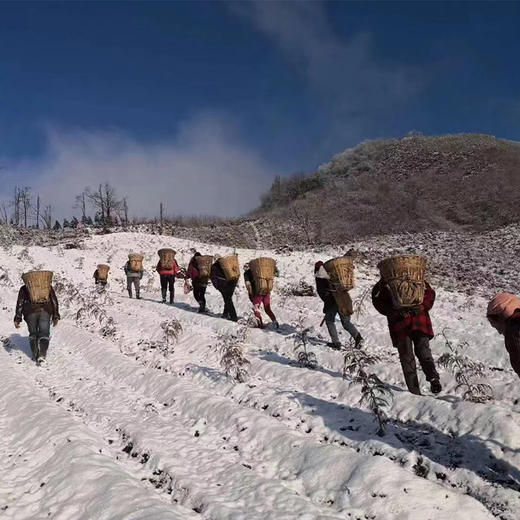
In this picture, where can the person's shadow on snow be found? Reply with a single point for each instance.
(466, 451)
(20, 343)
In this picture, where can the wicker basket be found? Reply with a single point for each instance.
(263, 274)
(341, 273)
(136, 262)
(404, 276)
(166, 258)
(102, 271)
(230, 267)
(204, 263)
(39, 285)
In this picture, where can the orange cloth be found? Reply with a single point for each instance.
(503, 305)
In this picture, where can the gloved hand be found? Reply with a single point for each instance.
(17, 324)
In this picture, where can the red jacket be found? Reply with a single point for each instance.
(402, 323)
(166, 272)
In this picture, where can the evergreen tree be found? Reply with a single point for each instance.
(74, 223)
(65, 223)
(57, 226)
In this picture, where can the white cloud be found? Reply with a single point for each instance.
(204, 170)
(346, 73)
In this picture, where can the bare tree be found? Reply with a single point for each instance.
(3, 214)
(81, 204)
(105, 201)
(47, 216)
(25, 203)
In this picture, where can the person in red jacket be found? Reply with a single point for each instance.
(168, 279)
(410, 330)
(503, 313)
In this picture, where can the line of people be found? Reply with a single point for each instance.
(410, 330)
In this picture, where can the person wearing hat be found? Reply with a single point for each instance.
(226, 289)
(503, 313)
(38, 317)
(330, 309)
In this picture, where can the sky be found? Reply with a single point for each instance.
(200, 104)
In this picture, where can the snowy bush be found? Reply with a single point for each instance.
(300, 339)
(302, 288)
(466, 371)
(233, 360)
(374, 392)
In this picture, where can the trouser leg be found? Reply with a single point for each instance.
(199, 292)
(407, 358)
(44, 329)
(330, 321)
(32, 325)
(229, 307)
(171, 288)
(424, 355)
(137, 285)
(267, 308)
(164, 287)
(349, 326)
(129, 285)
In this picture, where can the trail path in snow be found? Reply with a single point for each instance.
(289, 443)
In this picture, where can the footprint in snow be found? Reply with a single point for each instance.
(199, 427)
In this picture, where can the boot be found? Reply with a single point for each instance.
(435, 386)
(44, 345)
(163, 294)
(33, 342)
(129, 294)
(334, 345)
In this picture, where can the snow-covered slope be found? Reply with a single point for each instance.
(123, 423)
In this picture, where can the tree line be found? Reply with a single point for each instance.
(26, 209)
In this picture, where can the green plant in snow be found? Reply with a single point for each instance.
(466, 371)
(375, 393)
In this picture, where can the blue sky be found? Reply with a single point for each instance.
(256, 88)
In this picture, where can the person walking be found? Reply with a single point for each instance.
(503, 313)
(330, 309)
(226, 288)
(38, 317)
(199, 283)
(133, 278)
(258, 299)
(410, 330)
(167, 276)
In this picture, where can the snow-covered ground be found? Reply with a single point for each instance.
(126, 423)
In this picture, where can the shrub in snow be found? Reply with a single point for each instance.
(374, 393)
(301, 340)
(466, 372)
(360, 304)
(233, 360)
(302, 288)
(172, 330)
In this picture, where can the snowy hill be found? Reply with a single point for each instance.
(126, 421)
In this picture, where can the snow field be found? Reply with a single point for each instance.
(290, 442)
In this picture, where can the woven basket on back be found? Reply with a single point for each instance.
(136, 262)
(203, 264)
(230, 267)
(404, 276)
(39, 285)
(263, 274)
(341, 273)
(102, 270)
(166, 258)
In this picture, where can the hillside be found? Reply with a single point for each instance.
(127, 421)
(466, 182)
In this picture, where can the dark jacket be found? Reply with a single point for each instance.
(249, 278)
(324, 289)
(24, 306)
(403, 323)
(219, 281)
